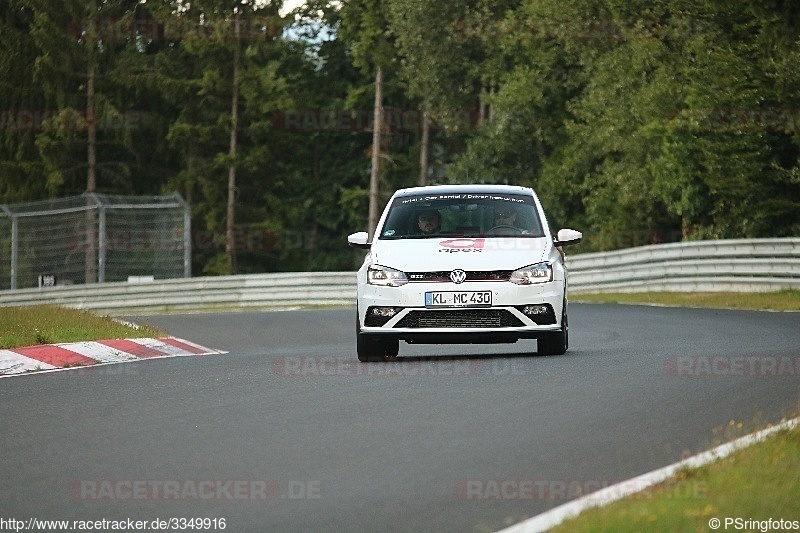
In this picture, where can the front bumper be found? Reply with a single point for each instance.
(517, 311)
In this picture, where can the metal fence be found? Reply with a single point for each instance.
(94, 238)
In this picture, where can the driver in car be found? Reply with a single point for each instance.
(505, 221)
(429, 222)
(505, 216)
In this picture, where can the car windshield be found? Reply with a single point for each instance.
(462, 215)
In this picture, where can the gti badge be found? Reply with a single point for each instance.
(458, 276)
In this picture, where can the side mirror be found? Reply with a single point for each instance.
(359, 240)
(568, 236)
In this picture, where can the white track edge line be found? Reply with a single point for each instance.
(92, 366)
(133, 325)
(101, 364)
(557, 515)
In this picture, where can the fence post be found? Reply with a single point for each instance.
(14, 244)
(95, 259)
(187, 236)
(103, 244)
(14, 250)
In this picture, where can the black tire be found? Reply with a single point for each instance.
(375, 348)
(556, 343)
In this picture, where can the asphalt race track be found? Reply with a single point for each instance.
(288, 432)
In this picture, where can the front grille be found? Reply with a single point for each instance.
(443, 276)
(463, 318)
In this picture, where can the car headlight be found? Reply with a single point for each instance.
(538, 273)
(385, 276)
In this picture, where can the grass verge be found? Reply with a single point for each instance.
(759, 483)
(786, 300)
(49, 324)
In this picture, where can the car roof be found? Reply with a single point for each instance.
(461, 189)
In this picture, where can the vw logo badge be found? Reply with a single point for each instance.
(458, 276)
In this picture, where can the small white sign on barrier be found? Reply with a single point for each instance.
(141, 279)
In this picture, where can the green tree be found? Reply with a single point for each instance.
(218, 73)
(646, 117)
(364, 26)
(436, 63)
(84, 146)
(21, 99)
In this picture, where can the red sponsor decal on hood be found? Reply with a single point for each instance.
(463, 243)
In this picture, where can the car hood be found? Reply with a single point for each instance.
(431, 255)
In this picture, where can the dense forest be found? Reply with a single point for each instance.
(636, 121)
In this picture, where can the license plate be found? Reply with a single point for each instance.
(458, 299)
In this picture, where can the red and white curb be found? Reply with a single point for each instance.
(558, 515)
(16, 361)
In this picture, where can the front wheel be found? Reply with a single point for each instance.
(375, 348)
(556, 343)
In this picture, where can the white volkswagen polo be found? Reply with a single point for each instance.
(462, 264)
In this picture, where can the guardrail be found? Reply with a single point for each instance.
(724, 265)
(217, 292)
(736, 265)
